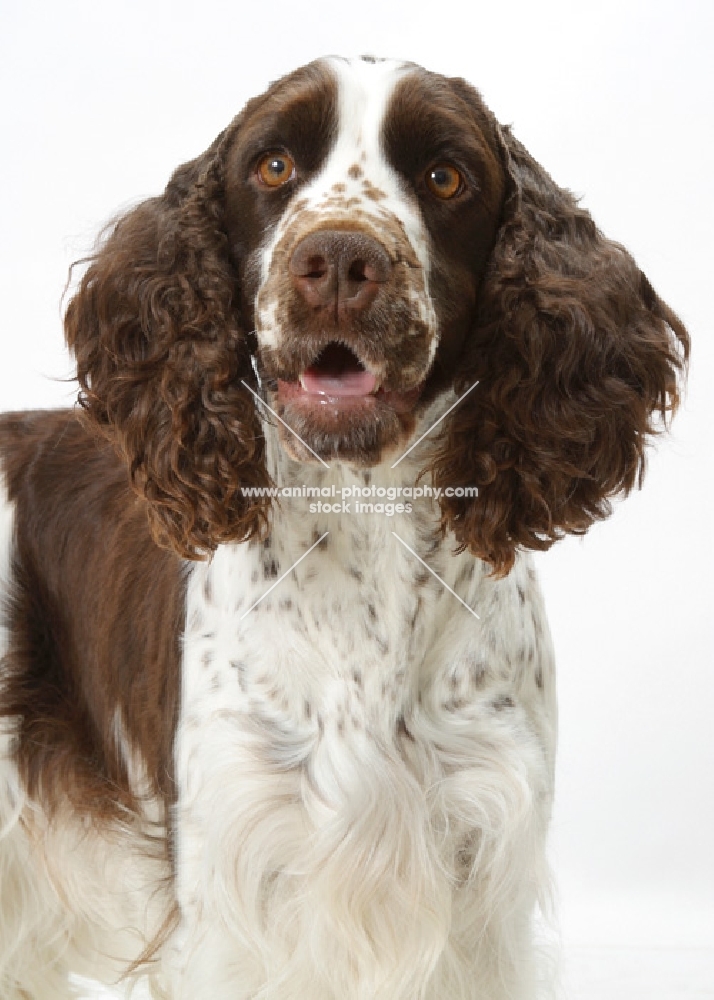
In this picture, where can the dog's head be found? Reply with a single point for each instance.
(368, 239)
(363, 200)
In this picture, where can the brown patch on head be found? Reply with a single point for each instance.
(433, 119)
(355, 172)
(298, 114)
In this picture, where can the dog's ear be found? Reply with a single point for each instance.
(575, 357)
(161, 357)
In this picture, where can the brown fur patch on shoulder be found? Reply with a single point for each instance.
(93, 616)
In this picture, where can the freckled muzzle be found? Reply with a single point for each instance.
(351, 280)
(346, 334)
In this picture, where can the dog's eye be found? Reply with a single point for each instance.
(444, 181)
(275, 169)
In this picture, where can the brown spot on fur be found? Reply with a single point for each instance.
(271, 569)
(321, 537)
(372, 192)
(402, 729)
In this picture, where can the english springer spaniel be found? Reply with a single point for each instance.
(277, 708)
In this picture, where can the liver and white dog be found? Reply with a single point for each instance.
(289, 747)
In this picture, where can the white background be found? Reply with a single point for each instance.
(99, 103)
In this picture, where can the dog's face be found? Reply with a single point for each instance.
(362, 200)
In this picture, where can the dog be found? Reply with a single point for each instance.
(277, 705)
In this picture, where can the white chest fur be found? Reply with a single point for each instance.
(364, 766)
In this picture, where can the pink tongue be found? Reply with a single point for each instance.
(351, 383)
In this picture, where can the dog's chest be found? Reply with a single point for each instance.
(343, 633)
(305, 640)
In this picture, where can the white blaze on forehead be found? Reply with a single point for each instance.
(365, 91)
(364, 94)
(357, 182)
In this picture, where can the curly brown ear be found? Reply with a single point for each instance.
(575, 356)
(160, 357)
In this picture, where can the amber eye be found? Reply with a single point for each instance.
(275, 169)
(444, 181)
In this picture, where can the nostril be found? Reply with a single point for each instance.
(313, 273)
(314, 267)
(357, 271)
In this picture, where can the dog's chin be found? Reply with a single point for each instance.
(360, 429)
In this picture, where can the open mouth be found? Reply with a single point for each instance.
(337, 377)
(337, 371)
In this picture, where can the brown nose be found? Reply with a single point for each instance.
(338, 269)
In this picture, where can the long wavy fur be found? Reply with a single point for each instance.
(160, 354)
(575, 357)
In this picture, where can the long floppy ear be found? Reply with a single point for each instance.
(575, 357)
(155, 330)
